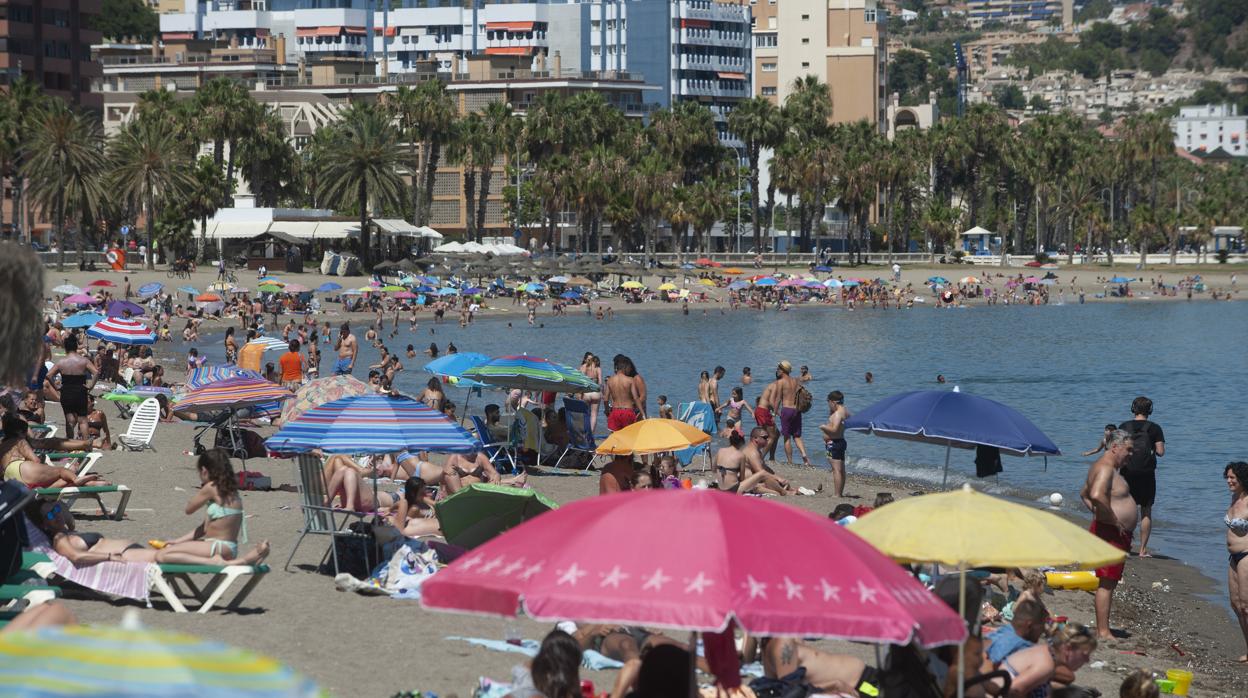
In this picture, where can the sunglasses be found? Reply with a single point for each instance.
(54, 512)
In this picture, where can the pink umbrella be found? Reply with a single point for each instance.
(405, 295)
(788, 283)
(694, 560)
(295, 288)
(1031, 280)
(81, 298)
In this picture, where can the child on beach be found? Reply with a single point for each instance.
(215, 541)
(665, 410)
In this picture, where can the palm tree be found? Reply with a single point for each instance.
(856, 149)
(17, 104)
(361, 163)
(759, 124)
(149, 164)
(940, 222)
(709, 201)
(426, 117)
(467, 150)
(1150, 144)
(208, 187)
(266, 158)
(224, 115)
(64, 163)
(500, 129)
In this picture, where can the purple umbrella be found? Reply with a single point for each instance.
(120, 308)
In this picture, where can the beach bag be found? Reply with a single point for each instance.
(355, 554)
(792, 685)
(803, 399)
(1142, 458)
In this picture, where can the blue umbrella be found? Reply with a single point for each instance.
(687, 265)
(83, 319)
(150, 289)
(327, 287)
(570, 295)
(1120, 280)
(953, 418)
(823, 268)
(937, 280)
(448, 291)
(534, 288)
(738, 285)
(189, 289)
(832, 283)
(372, 424)
(768, 281)
(452, 366)
(425, 289)
(473, 291)
(849, 284)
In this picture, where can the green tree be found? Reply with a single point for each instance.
(64, 164)
(266, 158)
(426, 118)
(225, 114)
(18, 105)
(359, 164)
(149, 164)
(759, 124)
(203, 197)
(125, 19)
(1009, 97)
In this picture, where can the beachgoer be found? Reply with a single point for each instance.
(461, 471)
(623, 396)
(829, 673)
(20, 462)
(617, 476)
(97, 426)
(1033, 670)
(1024, 631)
(869, 377)
(804, 375)
(347, 348)
(1107, 495)
(1109, 429)
(433, 395)
(764, 418)
(554, 672)
(785, 396)
(746, 378)
(81, 548)
(215, 541)
(1139, 684)
(592, 368)
(231, 346)
(1141, 471)
(413, 513)
(712, 392)
(292, 366)
(78, 376)
(1236, 520)
(834, 439)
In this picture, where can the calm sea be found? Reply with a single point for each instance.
(1069, 368)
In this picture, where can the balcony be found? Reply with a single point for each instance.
(714, 88)
(712, 37)
(713, 11)
(713, 63)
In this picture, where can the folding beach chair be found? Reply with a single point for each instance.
(496, 451)
(20, 585)
(176, 582)
(580, 436)
(698, 414)
(319, 519)
(526, 433)
(142, 426)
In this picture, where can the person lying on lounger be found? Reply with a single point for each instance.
(829, 673)
(82, 548)
(21, 463)
(215, 541)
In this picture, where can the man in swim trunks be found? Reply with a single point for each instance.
(834, 439)
(623, 396)
(1107, 495)
(347, 348)
(764, 418)
(785, 394)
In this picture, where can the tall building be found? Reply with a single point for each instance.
(843, 43)
(1208, 127)
(1033, 13)
(49, 43)
(693, 50)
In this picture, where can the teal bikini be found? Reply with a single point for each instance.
(216, 511)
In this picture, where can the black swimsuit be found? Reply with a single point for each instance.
(74, 394)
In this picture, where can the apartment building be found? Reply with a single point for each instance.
(49, 43)
(1031, 13)
(693, 50)
(1204, 129)
(842, 43)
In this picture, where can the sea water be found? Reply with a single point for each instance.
(1069, 369)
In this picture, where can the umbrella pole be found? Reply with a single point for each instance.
(962, 615)
(464, 416)
(944, 484)
(693, 664)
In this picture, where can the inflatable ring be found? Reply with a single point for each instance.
(111, 256)
(1083, 581)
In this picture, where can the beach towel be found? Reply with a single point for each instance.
(700, 415)
(527, 430)
(131, 580)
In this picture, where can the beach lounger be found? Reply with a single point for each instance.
(177, 582)
(70, 495)
(496, 451)
(580, 436)
(319, 519)
(142, 426)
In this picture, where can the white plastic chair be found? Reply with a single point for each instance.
(142, 427)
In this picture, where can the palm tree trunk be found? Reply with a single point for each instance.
(203, 240)
(754, 197)
(470, 203)
(418, 162)
(598, 234)
(430, 173)
(365, 233)
(229, 171)
(148, 260)
(60, 231)
(771, 207)
(482, 199)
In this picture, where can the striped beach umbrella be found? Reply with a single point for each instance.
(78, 660)
(236, 392)
(372, 424)
(122, 331)
(270, 343)
(204, 375)
(531, 373)
(189, 289)
(150, 289)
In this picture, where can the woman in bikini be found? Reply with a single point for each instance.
(413, 513)
(82, 548)
(591, 366)
(1236, 475)
(97, 427)
(21, 463)
(215, 541)
(1032, 669)
(735, 404)
(433, 395)
(231, 346)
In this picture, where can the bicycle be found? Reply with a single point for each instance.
(179, 273)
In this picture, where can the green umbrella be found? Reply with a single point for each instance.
(270, 288)
(481, 511)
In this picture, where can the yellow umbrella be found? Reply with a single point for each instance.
(965, 528)
(970, 529)
(969, 280)
(653, 436)
(633, 284)
(669, 286)
(706, 282)
(733, 270)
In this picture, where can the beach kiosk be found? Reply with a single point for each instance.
(977, 240)
(1229, 238)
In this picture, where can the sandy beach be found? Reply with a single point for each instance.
(354, 645)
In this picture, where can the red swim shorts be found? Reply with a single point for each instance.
(1110, 534)
(620, 417)
(763, 417)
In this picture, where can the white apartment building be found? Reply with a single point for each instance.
(1207, 127)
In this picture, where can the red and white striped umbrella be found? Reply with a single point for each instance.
(122, 331)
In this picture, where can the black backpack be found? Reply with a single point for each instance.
(1142, 458)
(13, 499)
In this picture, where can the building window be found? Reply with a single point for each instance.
(769, 67)
(868, 15)
(765, 40)
(769, 91)
(805, 17)
(805, 40)
(805, 64)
